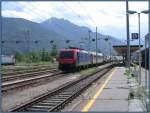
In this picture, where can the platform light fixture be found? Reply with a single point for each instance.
(139, 13)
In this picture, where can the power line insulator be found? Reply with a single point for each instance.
(36, 41)
(18, 41)
(2, 41)
(67, 41)
(106, 39)
(93, 40)
(52, 41)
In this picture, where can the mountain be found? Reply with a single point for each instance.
(24, 31)
(20, 35)
(78, 33)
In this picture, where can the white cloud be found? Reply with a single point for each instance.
(103, 14)
(8, 13)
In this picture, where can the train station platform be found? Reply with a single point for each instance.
(112, 95)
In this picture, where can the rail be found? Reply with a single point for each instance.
(57, 99)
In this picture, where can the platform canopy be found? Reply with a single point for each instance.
(122, 49)
(147, 36)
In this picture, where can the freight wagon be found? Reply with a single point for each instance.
(7, 59)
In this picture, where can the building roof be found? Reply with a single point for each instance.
(122, 49)
(147, 36)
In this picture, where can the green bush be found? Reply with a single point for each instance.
(40, 56)
(54, 51)
(128, 73)
(20, 57)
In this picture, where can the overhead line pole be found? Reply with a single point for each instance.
(149, 56)
(110, 49)
(96, 47)
(139, 49)
(1, 45)
(128, 38)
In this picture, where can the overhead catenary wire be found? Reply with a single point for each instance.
(78, 17)
(88, 14)
(65, 4)
(20, 5)
(40, 16)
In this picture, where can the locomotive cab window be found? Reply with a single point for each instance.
(66, 54)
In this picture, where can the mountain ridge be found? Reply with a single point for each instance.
(55, 29)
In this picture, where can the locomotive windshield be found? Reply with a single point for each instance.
(66, 54)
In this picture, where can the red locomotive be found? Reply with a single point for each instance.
(76, 58)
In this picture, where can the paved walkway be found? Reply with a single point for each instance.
(113, 95)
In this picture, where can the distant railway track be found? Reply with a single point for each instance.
(30, 80)
(25, 70)
(27, 74)
(57, 99)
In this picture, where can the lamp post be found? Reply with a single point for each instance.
(139, 13)
(146, 85)
(89, 40)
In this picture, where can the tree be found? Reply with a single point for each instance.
(54, 51)
(19, 57)
(34, 56)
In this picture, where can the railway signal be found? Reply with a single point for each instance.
(135, 36)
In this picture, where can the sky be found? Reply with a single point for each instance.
(109, 17)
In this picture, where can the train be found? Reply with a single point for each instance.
(76, 59)
(8, 59)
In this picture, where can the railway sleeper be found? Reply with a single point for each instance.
(56, 99)
(41, 106)
(51, 101)
(62, 95)
(55, 104)
(45, 104)
(66, 93)
(37, 109)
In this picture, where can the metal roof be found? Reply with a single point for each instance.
(122, 49)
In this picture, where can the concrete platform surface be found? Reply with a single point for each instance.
(113, 96)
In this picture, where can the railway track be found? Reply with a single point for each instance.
(57, 99)
(30, 80)
(27, 74)
(26, 70)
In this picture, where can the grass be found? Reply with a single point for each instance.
(142, 94)
(88, 71)
(139, 92)
(23, 65)
(34, 64)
